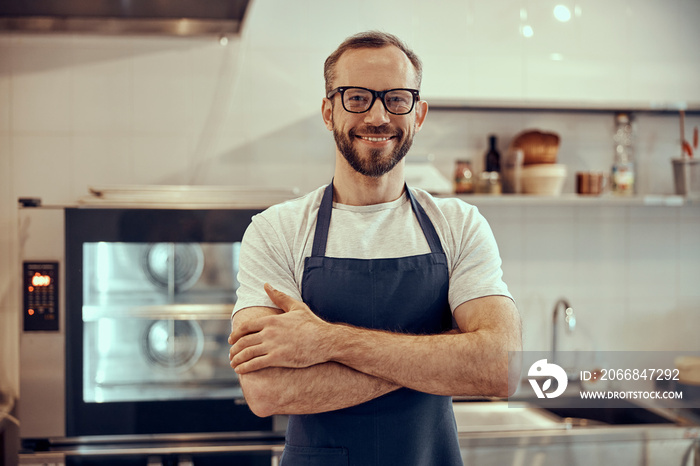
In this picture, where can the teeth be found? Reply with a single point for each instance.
(375, 139)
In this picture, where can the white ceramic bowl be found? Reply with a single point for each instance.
(544, 179)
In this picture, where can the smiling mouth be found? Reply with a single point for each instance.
(376, 139)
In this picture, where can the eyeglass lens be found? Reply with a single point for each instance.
(359, 100)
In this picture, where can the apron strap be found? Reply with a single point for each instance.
(323, 222)
(426, 225)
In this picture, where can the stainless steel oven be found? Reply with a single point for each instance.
(123, 349)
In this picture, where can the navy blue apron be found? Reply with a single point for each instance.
(407, 295)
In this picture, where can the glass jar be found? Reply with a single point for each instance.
(464, 177)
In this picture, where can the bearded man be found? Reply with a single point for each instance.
(366, 305)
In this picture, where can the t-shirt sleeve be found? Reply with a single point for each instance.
(264, 258)
(476, 270)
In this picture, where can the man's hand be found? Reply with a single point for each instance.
(292, 339)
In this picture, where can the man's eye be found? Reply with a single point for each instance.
(397, 100)
(357, 98)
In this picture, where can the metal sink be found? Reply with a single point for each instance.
(528, 432)
(610, 412)
(501, 416)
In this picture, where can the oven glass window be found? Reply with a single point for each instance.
(156, 319)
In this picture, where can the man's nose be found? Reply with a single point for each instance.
(377, 114)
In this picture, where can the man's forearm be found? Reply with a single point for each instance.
(315, 389)
(473, 362)
(451, 364)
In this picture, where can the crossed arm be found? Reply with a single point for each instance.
(292, 362)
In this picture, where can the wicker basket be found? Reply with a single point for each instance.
(537, 146)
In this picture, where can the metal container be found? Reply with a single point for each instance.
(686, 175)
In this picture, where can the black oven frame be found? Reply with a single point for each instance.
(83, 225)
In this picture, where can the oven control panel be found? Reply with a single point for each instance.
(40, 293)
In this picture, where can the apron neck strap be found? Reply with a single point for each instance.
(426, 225)
(323, 222)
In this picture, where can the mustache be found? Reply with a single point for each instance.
(382, 129)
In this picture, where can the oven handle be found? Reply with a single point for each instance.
(160, 312)
(275, 448)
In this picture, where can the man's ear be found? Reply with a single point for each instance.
(327, 113)
(421, 112)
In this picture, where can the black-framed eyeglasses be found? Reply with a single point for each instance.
(361, 99)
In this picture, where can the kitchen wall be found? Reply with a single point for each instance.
(81, 111)
(631, 272)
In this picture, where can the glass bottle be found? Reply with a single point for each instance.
(622, 180)
(493, 157)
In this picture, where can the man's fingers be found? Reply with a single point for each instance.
(284, 301)
(247, 354)
(246, 328)
(244, 342)
(262, 342)
(251, 366)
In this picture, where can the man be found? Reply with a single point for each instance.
(390, 301)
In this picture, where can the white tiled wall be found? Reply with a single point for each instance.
(630, 273)
(82, 111)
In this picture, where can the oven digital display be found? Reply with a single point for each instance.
(40, 290)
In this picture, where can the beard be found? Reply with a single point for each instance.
(375, 164)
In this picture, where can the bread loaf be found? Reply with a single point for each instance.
(537, 146)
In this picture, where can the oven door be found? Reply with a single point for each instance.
(149, 294)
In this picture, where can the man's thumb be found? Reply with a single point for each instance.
(277, 297)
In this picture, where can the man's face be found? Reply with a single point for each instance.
(373, 143)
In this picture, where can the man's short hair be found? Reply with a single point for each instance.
(370, 39)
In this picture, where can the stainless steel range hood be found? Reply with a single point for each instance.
(164, 17)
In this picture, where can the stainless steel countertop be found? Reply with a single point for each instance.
(568, 431)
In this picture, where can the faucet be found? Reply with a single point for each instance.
(569, 319)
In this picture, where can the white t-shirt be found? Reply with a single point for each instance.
(279, 239)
